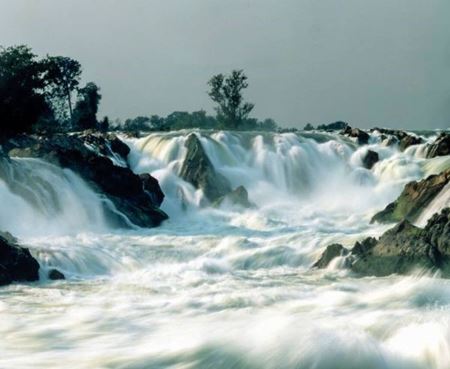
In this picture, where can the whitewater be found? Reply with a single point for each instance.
(222, 287)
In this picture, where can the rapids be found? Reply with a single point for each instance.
(221, 287)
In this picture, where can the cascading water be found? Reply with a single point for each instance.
(221, 287)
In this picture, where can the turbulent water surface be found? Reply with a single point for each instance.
(221, 287)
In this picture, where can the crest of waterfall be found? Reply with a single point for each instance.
(39, 198)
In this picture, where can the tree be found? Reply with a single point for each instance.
(226, 92)
(85, 112)
(62, 79)
(22, 100)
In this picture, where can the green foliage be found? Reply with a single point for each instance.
(85, 112)
(62, 77)
(226, 92)
(22, 99)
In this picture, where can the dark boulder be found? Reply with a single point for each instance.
(414, 199)
(198, 170)
(238, 197)
(440, 147)
(370, 159)
(361, 137)
(151, 186)
(16, 262)
(55, 275)
(118, 183)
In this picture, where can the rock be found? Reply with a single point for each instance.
(151, 185)
(413, 200)
(361, 136)
(440, 147)
(16, 262)
(55, 274)
(402, 249)
(370, 159)
(394, 136)
(239, 197)
(118, 183)
(198, 170)
(331, 252)
(336, 126)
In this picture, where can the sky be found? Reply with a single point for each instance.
(368, 62)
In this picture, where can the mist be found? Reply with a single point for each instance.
(369, 63)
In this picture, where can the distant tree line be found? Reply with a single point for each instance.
(44, 95)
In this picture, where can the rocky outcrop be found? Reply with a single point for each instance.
(198, 170)
(440, 147)
(400, 250)
(370, 159)
(403, 139)
(361, 137)
(237, 197)
(138, 198)
(414, 199)
(16, 262)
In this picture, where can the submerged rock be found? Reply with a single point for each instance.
(198, 170)
(440, 147)
(130, 194)
(414, 199)
(401, 249)
(16, 262)
(239, 197)
(370, 159)
(55, 274)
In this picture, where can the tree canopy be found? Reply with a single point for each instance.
(226, 92)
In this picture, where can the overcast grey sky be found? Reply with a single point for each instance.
(369, 62)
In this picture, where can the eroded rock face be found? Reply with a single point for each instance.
(198, 170)
(414, 199)
(400, 250)
(16, 262)
(440, 147)
(85, 154)
(370, 159)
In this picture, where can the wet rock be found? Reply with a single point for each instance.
(440, 147)
(403, 249)
(394, 136)
(151, 185)
(198, 170)
(118, 183)
(361, 137)
(370, 159)
(16, 262)
(239, 197)
(55, 274)
(331, 252)
(414, 199)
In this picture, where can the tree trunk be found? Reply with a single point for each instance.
(69, 100)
